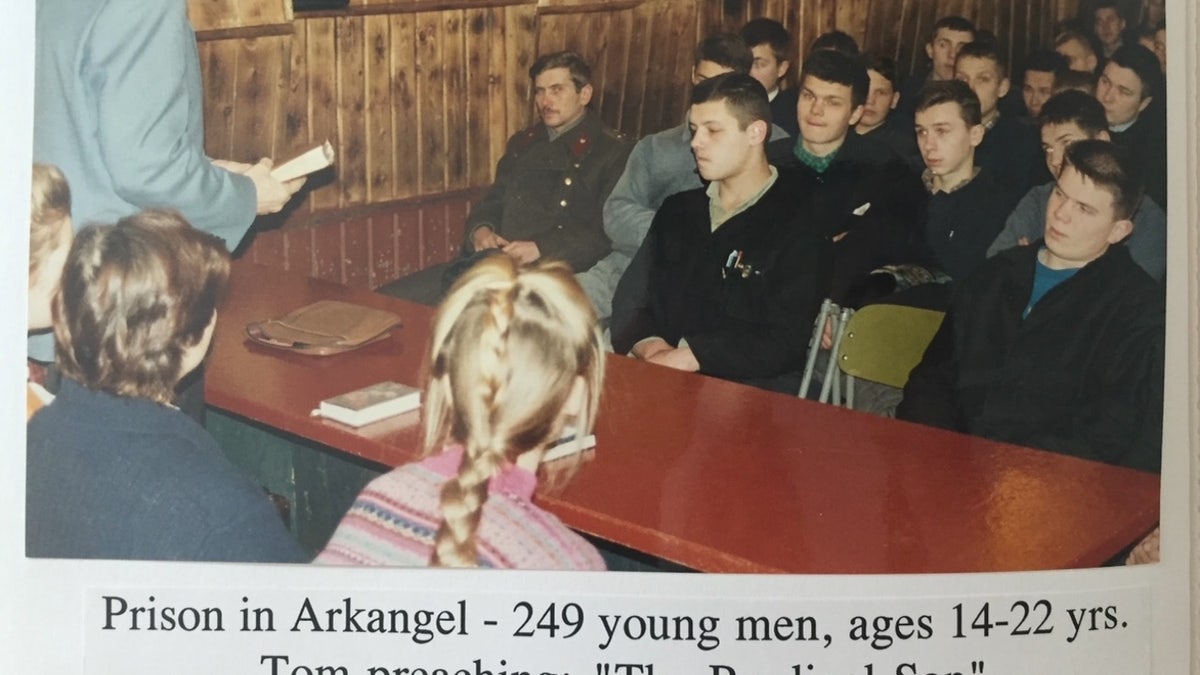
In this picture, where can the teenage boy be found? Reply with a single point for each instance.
(771, 45)
(1066, 118)
(1128, 88)
(660, 165)
(967, 206)
(735, 277)
(550, 184)
(1009, 149)
(882, 99)
(1057, 346)
(949, 35)
(1042, 69)
(1108, 25)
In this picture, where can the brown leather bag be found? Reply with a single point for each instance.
(324, 327)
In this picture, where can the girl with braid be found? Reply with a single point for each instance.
(514, 357)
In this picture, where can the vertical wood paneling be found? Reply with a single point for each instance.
(351, 97)
(321, 108)
(379, 147)
(431, 141)
(455, 101)
(499, 92)
(477, 145)
(405, 144)
(218, 61)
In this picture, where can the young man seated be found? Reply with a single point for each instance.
(1131, 89)
(1042, 70)
(550, 184)
(771, 45)
(949, 35)
(877, 120)
(1068, 117)
(1079, 50)
(1009, 149)
(734, 276)
(1057, 345)
(967, 206)
(660, 165)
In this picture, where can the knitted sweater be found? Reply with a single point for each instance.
(396, 517)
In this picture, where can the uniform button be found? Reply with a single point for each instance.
(563, 203)
(576, 165)
(567, 181)
(560, 227)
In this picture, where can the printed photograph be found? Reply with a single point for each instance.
(782, 287)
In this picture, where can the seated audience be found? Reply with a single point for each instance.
(1130, 89)
(735, 279)
(550, 185)
(113, 469)
(50, 236)
(515, 356)
(1057, 345)
(1042, 70)
(1068, 117)
(967, 206)
(1009, 149)
(771, 46)
(949, 34)
(1079, 50)
(660, 165)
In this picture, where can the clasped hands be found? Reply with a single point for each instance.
(523, 252)
(658, 350)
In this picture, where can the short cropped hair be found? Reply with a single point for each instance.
(1075, 107)
(727, 50)
(135, 296)
(1046, 61)
(831, 65)
(982, 49)
(1088, 40)
(1075, 80)
(1107, 4)
(581, 72)
(1110, 167)
(745, 97)
(951, 91)
(1143, 63)
(49, 211)
(764, 31)
(955, 23)
(836, 40)
(885, 66)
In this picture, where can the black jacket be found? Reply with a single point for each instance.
(1081, 375)
(749, 324)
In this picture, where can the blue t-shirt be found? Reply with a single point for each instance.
(1044, 279)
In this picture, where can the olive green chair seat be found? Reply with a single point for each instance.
(883, 343)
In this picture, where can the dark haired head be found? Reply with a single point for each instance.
(885, 66)
(1143, 63)
(725, 49)
(984, 50)
(1076, 80)
(1046, 61)
(1086, 41)
(1111, 168)
(1075, 107)
(135, 297)
(840, 68)
(581, 72)
(764, 31)
(836, 40)
(957, 24)
(951, 91)
(744, 96)
(1107, 4)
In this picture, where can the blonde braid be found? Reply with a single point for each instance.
(463, 496)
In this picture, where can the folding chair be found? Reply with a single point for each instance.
(883, 343)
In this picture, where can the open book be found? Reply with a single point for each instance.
(314, 160)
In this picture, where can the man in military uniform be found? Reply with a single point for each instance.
(550, 184)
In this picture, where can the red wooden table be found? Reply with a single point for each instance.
(721, 477)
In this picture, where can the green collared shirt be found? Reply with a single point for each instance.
(818, 164)
(717, 216)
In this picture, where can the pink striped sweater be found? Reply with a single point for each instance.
(396, 517)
